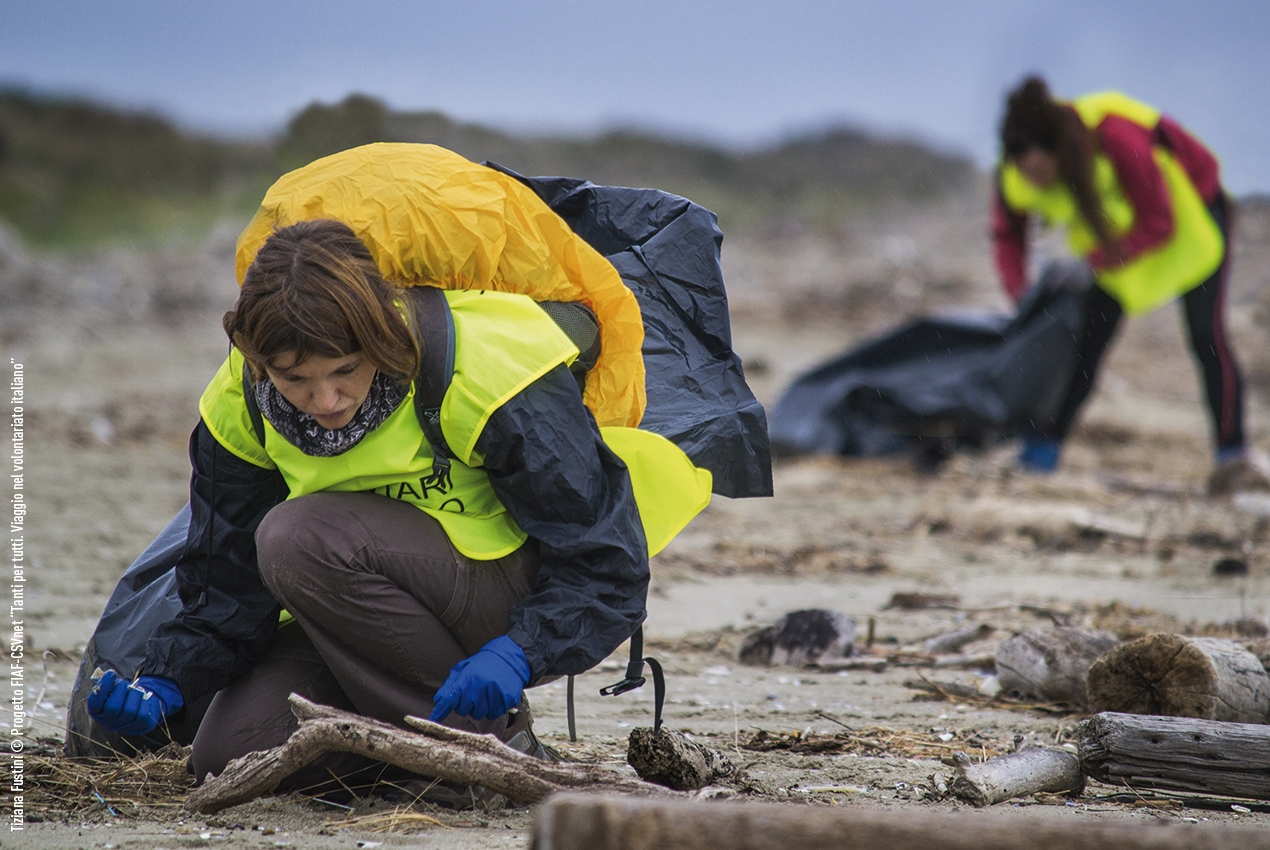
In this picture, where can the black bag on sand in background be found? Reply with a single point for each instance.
(936, 385)
(666, 249)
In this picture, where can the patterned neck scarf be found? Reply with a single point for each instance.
(302, 430)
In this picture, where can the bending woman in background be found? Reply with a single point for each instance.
(1142, 203)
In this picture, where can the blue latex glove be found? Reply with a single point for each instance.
(485, 686)
(133, 708)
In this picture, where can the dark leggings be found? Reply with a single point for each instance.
(384, 605)
(1204, 308)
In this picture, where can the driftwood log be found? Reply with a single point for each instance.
(669, 758)
(1178, 754)
(435, 751)
(1205, 678)
(1031, 771)
(1050, 665)
(592, 822)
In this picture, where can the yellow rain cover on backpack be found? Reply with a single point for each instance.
(432, 218)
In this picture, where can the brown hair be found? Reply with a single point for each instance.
(1034, 119)
(314, 289)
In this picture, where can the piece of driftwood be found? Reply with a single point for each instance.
(916, 601)
(951, 642)
(594, 822)
(1177, 676)
(905, 658)
(435, 750)
(1050, 665)
(669, 758)
(972, 687)
(1151, 488)
(1108, 527)
(872, 663)
(1031, 771)
(986, 663)
(1178, 754)
(798, 638)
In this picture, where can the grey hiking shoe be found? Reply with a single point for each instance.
(519, 735)
(1244, 473)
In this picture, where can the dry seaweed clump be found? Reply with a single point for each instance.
(1129, 622)
(402, 819)
(879, 741)
(146, 785)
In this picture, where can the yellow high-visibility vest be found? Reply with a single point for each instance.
(502, 343)
(1186, 259)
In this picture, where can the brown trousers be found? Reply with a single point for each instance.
(384, 605)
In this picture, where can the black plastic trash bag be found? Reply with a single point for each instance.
(936, 385)
(666, 249)
(145, 597)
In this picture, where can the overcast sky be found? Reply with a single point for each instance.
(740, 72)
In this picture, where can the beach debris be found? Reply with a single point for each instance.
(800, 638)
(1019, 774)
(1177, 753)
(1178, 676)
(951, 642)
(915, 601)
(671, 758)
(1050, 664)
(1227, 567)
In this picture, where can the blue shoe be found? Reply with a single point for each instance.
(1039, 455)
(1231, 453)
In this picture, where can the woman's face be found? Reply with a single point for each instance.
(1039, 166)
(330, 389)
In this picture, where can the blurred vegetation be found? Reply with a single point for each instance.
(73, 172)
(76, 172)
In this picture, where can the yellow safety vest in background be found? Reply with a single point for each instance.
(430, 217)
(1186, 259)
(503, 343)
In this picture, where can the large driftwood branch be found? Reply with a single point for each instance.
(578, 822)
(1018, 774)
(1177, 753)
(435, 751)
(1205, 678)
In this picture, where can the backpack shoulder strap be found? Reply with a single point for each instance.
(253, 406)
(434, 327)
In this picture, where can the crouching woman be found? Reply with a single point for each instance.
(419, 585)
